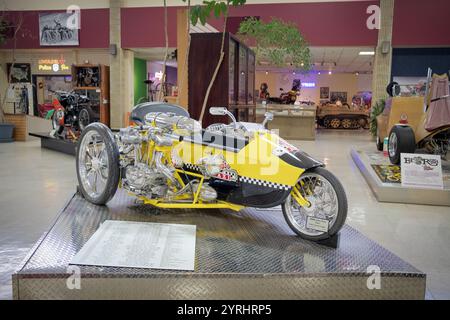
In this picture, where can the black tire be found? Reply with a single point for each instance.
(342, 208)
(85, 113)
(393, 89)
(401, 140)
(379, 143)
(113, 160)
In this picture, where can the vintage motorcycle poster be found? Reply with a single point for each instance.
(55, 29)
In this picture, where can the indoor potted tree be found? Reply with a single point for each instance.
(276, 43)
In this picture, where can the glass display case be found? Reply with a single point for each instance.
(294, 122)
(232, 71)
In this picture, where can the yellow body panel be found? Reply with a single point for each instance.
(412, 107)
(256, 160)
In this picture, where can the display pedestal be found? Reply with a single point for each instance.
(56, 144)
(251, 254)
(385, 181)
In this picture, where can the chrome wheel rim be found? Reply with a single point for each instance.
(392, 145)
(83, 119)
(57, 115)
(324, 203)
(93, 164)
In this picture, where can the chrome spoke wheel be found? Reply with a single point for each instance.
(392, 145)
(93, 164)
(323, 201)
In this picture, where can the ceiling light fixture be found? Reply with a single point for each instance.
(366, 53)
(329, 72)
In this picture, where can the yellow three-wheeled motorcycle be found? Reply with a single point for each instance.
(167, 160)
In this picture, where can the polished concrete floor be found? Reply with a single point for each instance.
(35, 184)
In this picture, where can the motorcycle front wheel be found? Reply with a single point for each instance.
(56, 118)
(97, 162)
(327, 211)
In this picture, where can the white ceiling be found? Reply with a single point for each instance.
(335, 59)
(347, 59)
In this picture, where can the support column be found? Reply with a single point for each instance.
(182, 44)
(383, 53)
(121, 71)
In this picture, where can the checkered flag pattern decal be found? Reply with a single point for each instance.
(264, 183)
(258, 182)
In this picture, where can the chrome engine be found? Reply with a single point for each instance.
(143, 180)
(156, 179)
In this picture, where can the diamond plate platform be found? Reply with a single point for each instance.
(251, 254)
(366, 158)
(56, 144)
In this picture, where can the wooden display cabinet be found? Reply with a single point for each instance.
(93, 80)
(235, 83)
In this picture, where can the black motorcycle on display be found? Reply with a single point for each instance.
(71, 110)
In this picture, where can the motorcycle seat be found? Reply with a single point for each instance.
(139, 111)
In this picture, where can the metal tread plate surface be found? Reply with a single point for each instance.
(231, 248)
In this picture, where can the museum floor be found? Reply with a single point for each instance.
(36, 183)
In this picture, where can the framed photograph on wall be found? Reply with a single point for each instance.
(324, 92)
(337, 95)
(54, 29)
(21, 72)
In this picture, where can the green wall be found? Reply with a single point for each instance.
(140, 74)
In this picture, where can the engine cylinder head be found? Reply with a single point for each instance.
(169, 121)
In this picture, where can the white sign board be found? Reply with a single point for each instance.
(421, 171)
(140, 245)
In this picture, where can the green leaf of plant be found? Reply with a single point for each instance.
(223, 8)
(203, 15)
(217, 11)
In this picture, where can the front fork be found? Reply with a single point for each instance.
(296, 194)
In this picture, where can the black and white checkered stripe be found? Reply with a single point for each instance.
(264, 183)
(192, 167)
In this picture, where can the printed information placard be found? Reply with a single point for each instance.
(140, 245)
(421, 171)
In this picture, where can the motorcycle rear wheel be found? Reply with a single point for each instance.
(328, 203)
(85, 117)
(97, 161)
